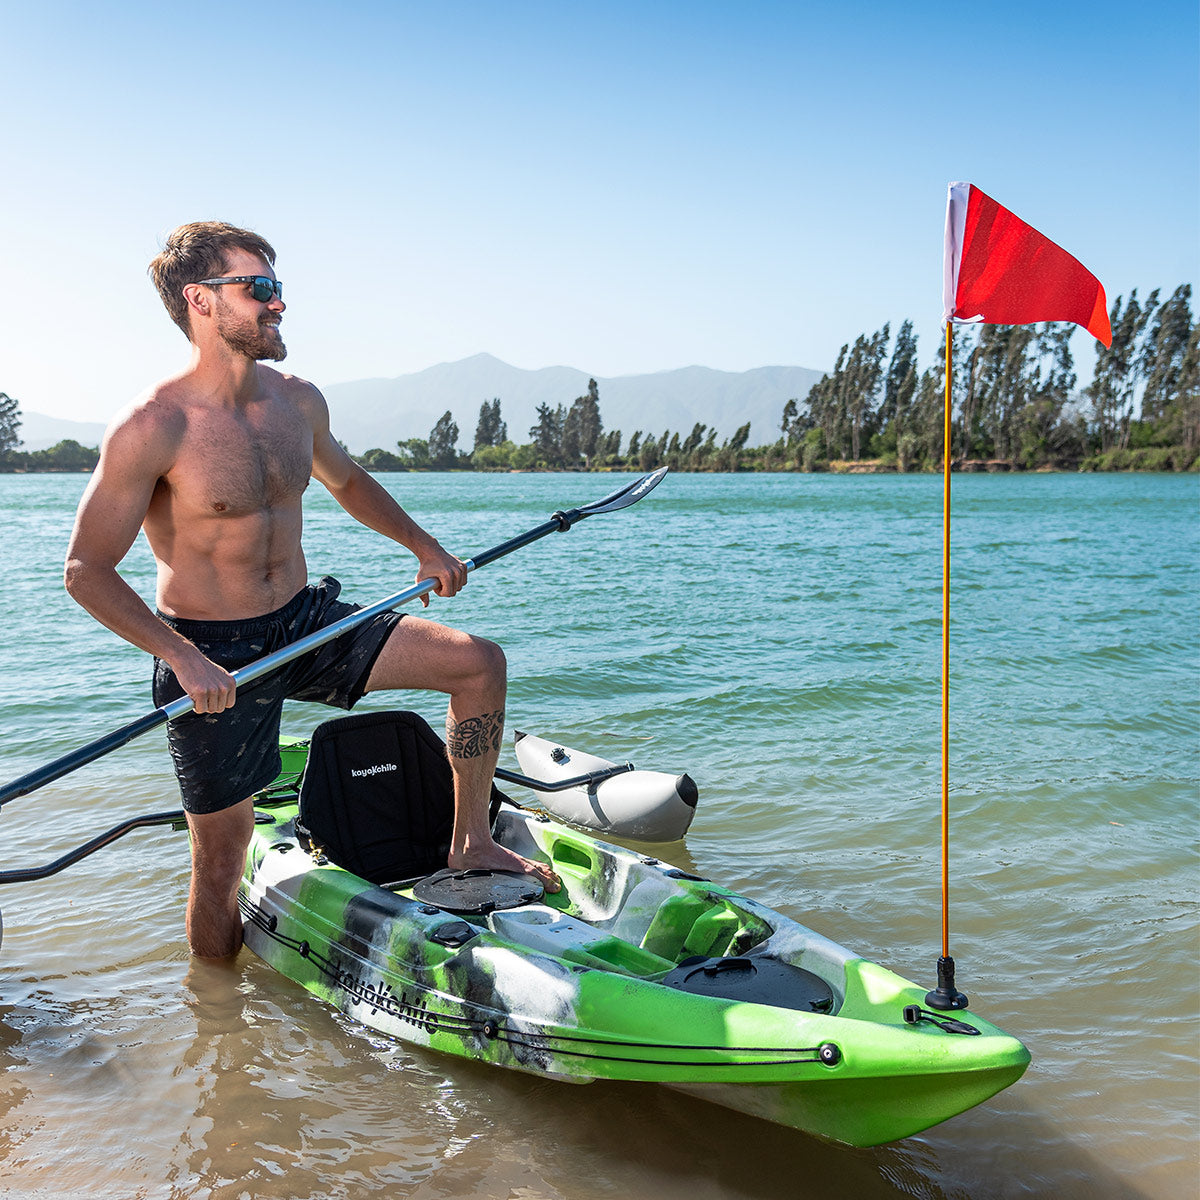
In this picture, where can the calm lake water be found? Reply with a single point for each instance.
(778, 638)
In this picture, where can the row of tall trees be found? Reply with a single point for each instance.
(1016, 402)
(564, 437)
(1015, 393)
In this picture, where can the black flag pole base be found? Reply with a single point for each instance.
(945, 997)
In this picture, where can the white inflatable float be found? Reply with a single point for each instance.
(647, 806)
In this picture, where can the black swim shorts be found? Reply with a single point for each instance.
(221, 758)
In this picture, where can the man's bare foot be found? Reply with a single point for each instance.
(497, 858)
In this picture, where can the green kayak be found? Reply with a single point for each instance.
(635, 971)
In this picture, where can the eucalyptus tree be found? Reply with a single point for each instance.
(590, 426)
(10, 424)
(1163, 352)
(608, 448)
(547, 434)
(443, 442)
(861, 387)
(824, 405)
(649, 455)
(900, 382)
(920, 443)
(693, 439)
(1118, 369)
(1189, 392)
(1002, 384)
(729, 457)
(569, 447)
(490, 429)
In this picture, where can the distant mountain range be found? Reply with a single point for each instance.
(40, 432)
(382, 412)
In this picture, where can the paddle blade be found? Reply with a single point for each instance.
(631, 493)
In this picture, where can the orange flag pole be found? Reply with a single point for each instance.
(945, 995)
(1001, 271)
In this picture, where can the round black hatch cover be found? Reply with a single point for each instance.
(477, 891)
(756, 980)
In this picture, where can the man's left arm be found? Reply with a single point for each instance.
(366, 500)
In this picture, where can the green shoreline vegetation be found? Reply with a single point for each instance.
(1014, 390)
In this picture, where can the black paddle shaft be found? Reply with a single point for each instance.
(559, 522)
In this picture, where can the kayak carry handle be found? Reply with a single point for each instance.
(541, 785)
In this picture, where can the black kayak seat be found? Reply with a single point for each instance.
(377, 796)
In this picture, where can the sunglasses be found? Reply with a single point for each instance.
(262, 288)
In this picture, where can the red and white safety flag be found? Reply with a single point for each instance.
(1000, 271)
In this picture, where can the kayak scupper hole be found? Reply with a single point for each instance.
(571, 856)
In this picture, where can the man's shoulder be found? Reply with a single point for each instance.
(304, 395)
(291, 386)
(156, 418)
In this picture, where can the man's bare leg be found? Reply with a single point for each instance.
(473, 744)
(219, 842)
(422, 654)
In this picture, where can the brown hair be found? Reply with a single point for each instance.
(197, 251)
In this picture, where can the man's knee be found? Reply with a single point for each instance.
(219, 843)
(493, 663)
(424, 654)
(477, 660)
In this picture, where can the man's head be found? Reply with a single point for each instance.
(201, 250)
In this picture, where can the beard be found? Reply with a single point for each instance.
(259, 340)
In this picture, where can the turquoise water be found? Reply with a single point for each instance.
(778, 637)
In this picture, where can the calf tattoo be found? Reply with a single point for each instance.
(476, 736)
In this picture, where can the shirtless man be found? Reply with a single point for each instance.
(213, 463)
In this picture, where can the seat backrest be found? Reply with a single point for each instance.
(377, 795)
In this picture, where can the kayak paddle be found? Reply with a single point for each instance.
(559, 522)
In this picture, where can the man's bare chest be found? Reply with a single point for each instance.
(235, 468)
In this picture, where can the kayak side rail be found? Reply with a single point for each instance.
(177, 818)
(562, 785)
(28, 874)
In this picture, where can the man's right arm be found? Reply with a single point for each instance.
(135, 453)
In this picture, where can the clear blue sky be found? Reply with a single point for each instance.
(621, 187)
